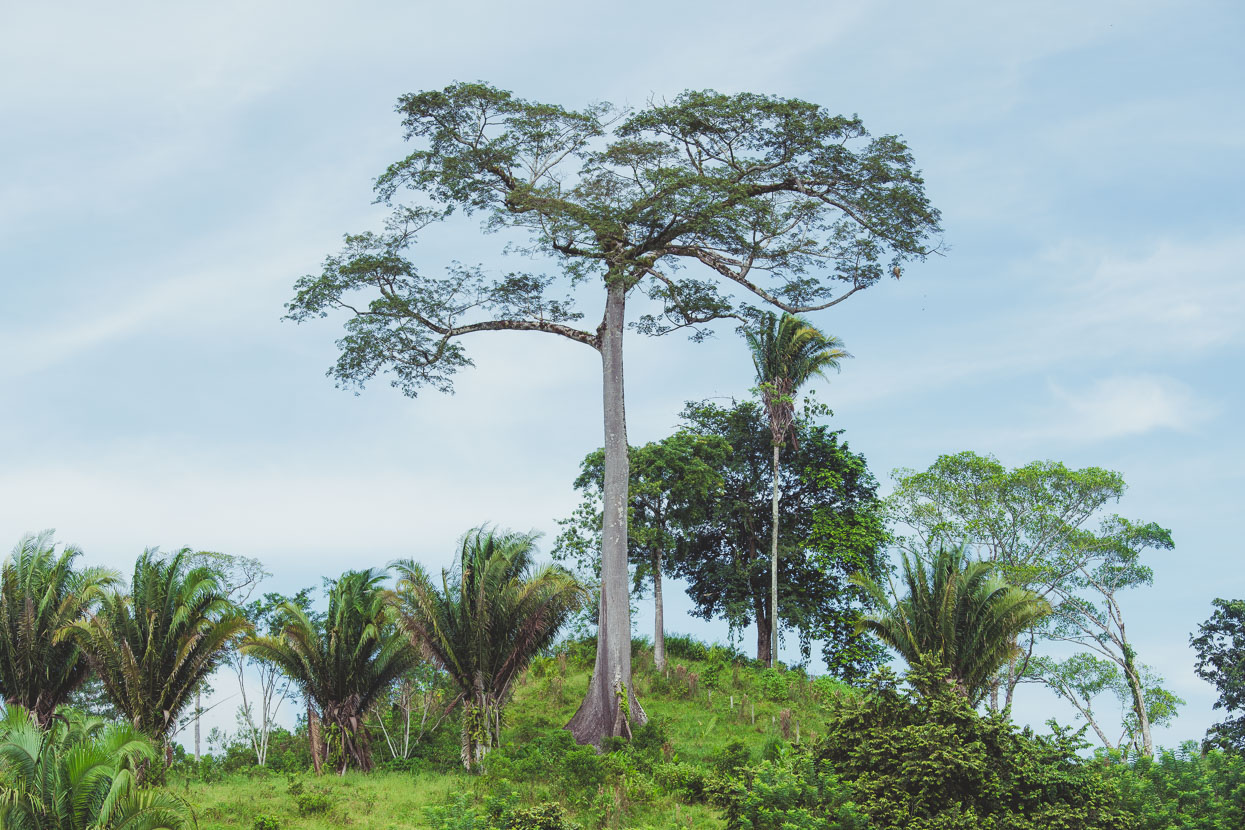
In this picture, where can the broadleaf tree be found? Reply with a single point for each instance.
(773, 202)
(239, 577)
(1030, 521)
(1220, 647)
(1088, 611)
(831, 527)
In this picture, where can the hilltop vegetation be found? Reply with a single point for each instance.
(731, 744)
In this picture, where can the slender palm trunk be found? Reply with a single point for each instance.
(659, 617)
(198, 709)
(773, 568)
(610, 705)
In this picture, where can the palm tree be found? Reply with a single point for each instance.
(485, 622)
(152, 647)
(346, 663)
(41, 593)
(787, 352)
(956, 614)
(80, 773)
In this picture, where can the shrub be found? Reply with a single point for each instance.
(314, 802)
(682, 780)
(934, 762)
(456, 814)
(774, 685)
(790, 794)
(547, 816)
(648, 739)
(265, 821)
(899, 762)
(685, 647)
(826, 689)
(733, 756)
(551, 757)
(712, 675)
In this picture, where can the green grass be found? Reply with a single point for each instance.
(698, 725)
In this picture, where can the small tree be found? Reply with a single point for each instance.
(484, 623)
(258, 713)
(1088, 613)
(345, 664)
(773, 199)
(830, 527)
(239, 577)
(1083, 677)
(1032, 522)
(152, 647)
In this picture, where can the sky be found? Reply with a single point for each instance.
(170, 170)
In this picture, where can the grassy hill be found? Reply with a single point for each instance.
(706, 713)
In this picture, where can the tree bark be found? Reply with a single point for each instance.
(314, 738)
(1139, 699)
(659, 616)
(773, 564)
(763, 630)
(198, 709)
(603, 713)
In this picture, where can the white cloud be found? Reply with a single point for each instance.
(1122, 406)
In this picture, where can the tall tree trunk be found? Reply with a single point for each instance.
(602, 713)
(314, 737)
(773, 569)
(1139, 700)
(659, 616)
(763, 629)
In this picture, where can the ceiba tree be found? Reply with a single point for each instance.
(775, 202)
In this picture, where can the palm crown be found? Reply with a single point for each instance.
(787, 352)
(486, 622)
(41, 593)
(80, 773)
(345, 663)
(153, 646)
(955, 613)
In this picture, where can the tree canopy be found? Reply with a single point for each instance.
(772, 202)
(1220, 647)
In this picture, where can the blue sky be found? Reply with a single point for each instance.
(170, 171)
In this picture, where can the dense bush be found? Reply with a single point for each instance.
(264, 821)
(774, 685)
(1184, 790)
(551, 756)
(498, 814)
(892, 760)
(791, 793)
